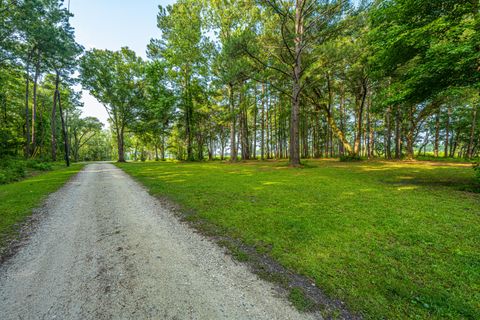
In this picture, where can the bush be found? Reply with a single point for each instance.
(476, 167)
(38, 165)
(3, 178)
(12, 169)
(350, 158)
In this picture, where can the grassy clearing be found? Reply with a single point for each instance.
(393, 240)
(18, 199)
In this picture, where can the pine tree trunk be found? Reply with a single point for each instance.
(447, 133)
(233, 144)
(341, 148)
(410, 135)
(254, 137)
(398, 134)
(262, 151)
(64, 131)
(360, 101)
(294, 118)
(472, 133)
(368, 132)
(388, 138)
(53, 120)
(27, 121)
(268, 128)
(244, 127)
(437, 134)
(34, 108)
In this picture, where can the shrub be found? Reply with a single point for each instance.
(38, 165)
(476, 167)
(3, 178)
(350, 157)
(12, 169)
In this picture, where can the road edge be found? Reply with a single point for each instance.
(24, 230)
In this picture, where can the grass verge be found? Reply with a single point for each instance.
(391, 239)
(18, 199)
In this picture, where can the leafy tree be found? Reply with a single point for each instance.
(116, 79)
(184, 51)
(82, 130)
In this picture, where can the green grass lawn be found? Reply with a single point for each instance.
(392, 240)
(19, 198)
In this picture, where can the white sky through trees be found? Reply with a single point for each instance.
(112, 24)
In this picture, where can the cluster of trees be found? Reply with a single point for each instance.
(298, 79)
(249, 79)
(40, 115)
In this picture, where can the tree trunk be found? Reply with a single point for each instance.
(398, 134)
(162, 148)
(244, 127)
(263, 124)
(341, 148)
(410, 134)
(447, 132)
(53, 120)
(27, 121)
(64, 131)
(340, 135)
(120, 144)
(268, 128)
(359, 128)
(388, 137)
(472, 133)
(454, 143)
(34, 108)
(297, 69)
(188, 132)
(437, 134)
(233, 144)
(368, 133)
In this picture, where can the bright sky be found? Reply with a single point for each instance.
(112, 24)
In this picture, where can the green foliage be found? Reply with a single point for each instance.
(115, 78)
(425, 46)
(388, 238)
(185, 53)
(350, 158)
(98, 148)
(476, 168)
(10, 141)
(39, 165)
(12, 169)
(37, 50)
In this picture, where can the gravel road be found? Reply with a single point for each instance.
(106, 249)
